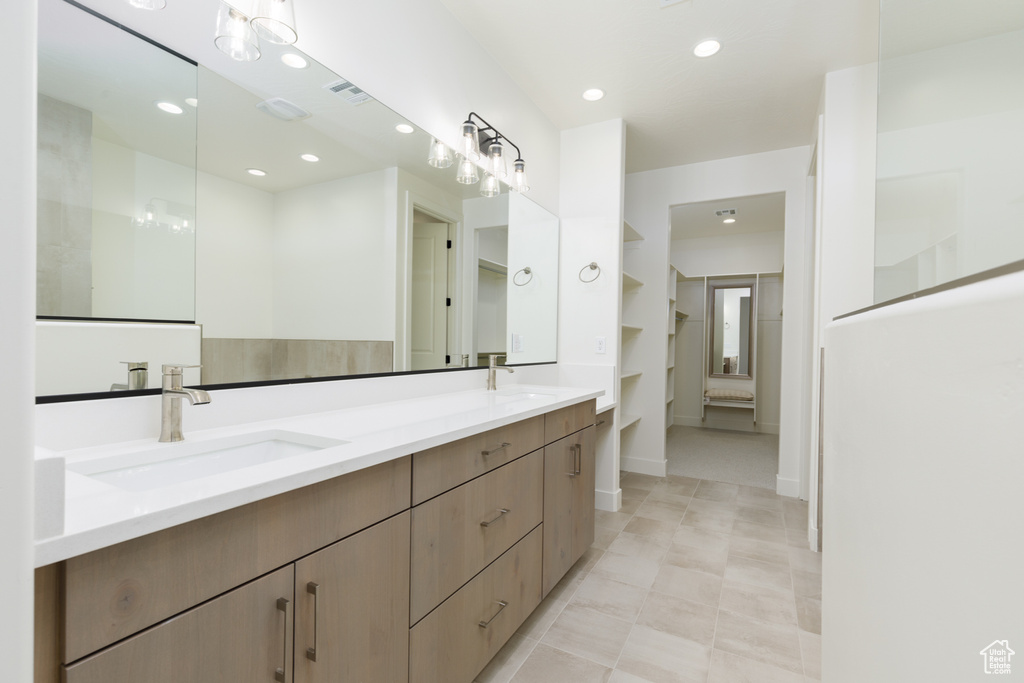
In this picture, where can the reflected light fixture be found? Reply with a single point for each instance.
(234, 36)
(707, 48)
(404, 128)
(255, 172)
(309, 157)
(593, 94)
(148, 4)
(470, 150)
(440, 156)
(293, 60)
(169, 107)
(274, 21)
(192, 101)
(729, 220)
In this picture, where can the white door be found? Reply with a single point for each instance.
(429, 295)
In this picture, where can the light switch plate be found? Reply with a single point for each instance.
(517, 343)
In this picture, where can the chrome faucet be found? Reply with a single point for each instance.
(491, 383)
(138, 377)
(170, 403)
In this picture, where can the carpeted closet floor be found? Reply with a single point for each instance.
(744, 458)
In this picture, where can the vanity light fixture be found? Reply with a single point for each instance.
(593, 94)
(707, 48)
(234, 36)
(255, 172)
(404, 128)
(293, 60)
(169, 107)
(440, 156)
(470, 150)
(274, 21)
(309, 157)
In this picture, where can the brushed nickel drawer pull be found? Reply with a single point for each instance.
(284, 605)
(579, 457)
(314, 590)
(503, 446)
(501, 513)
(485, 624)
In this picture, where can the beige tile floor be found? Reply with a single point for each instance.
(693, 580)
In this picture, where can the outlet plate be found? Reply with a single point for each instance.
(600, 345)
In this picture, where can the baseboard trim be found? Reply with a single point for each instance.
(654, 468)
(609, 501)
(787, 487)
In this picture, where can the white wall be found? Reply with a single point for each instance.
(844, 237)
(923, 472)
(334, 260)
(759, 252)
(17, 344)
(651, 193)
(593, 164)
(234, 259)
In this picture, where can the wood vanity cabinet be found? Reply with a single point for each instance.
(568, 502)
(418, 569)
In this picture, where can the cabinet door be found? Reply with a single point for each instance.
(559, 476)
(352, 608)
(584, 484)
(244, 635)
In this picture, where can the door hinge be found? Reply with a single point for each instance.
(448, 301)
(447, 359)
(449, 244)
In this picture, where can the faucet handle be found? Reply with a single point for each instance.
(136, 365)
(176, 369)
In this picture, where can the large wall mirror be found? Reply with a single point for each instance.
(266, 222)
(732, 317)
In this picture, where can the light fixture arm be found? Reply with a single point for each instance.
(495, 134)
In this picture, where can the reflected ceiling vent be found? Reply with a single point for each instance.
(348, 92)
(725, 213)
(281, 108)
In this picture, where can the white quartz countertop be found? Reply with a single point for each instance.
(99, 514)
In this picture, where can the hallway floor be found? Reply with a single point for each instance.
(693, 580)
(749, 458)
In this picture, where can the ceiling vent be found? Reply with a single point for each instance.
(348, 92)
(281, 108)
(725, 212)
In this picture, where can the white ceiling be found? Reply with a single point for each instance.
(755, 213)
(760, 93)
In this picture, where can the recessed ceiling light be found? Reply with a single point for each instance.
(191, 101)
(169, 108)
(404, 128)
(593, 95)
(309, 157)
(294, 61)
(255, 171)
(707, 48)
(729, 220)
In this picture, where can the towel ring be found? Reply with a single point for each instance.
(525, 271)
(592, 266)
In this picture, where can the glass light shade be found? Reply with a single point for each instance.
(148, 4)
(467, 172)
(469, 148)
(496, 164)
(491, 186)
(235, 37)
(519, 181)
(274, 21)
(440, 156)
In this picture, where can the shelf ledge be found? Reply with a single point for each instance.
(630, 374)
(628, 421)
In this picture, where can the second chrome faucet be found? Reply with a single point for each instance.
(170, 404)
(491, 368)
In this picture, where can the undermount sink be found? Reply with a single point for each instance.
(161, 465)
(518, 394)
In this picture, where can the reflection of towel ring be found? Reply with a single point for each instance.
(526, 271)
(727, 326)
(592, 266)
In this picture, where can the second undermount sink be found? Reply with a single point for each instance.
(161, 465)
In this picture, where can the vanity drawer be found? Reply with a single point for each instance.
(445, 467)
(566, 421)
(455, 641)
(457, 534)
(117, 591)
